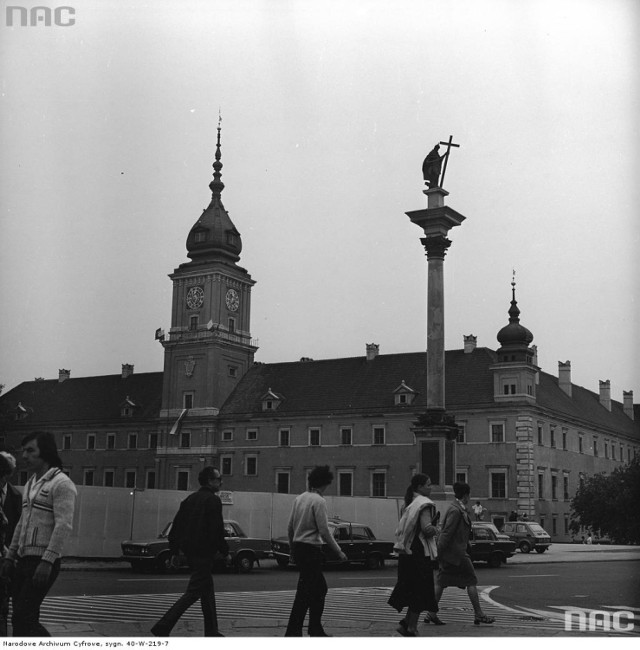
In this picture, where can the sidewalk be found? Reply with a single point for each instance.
(514, 624)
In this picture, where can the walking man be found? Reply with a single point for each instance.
(10, 507)
(33, 559)
(197, 531)
(308, 529)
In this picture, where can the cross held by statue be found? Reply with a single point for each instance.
(448, 144)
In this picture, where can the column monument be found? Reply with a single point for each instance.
(435, 429)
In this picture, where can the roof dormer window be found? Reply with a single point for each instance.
(271, 401)
(404, 395)
(127, 407)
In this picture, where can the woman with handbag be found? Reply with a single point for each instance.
(416, 548)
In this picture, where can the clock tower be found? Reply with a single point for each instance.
(209, 346)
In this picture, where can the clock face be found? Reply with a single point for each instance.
(195, 298)
(233, 300)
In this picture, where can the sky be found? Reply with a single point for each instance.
(107, 137)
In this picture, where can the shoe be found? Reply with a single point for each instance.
(160, 630)
(487, 620)
(433, 618)
(403, 631)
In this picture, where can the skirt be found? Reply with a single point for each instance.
(414, 588)
(462, 575)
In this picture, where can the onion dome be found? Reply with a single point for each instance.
(214, 237)
(514, 335)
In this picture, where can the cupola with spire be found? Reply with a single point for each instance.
(514, 338)
(214, 237)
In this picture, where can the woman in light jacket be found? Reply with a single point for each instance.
(416, 548)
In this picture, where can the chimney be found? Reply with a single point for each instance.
(469, 343)
(605, 394)
(372, 351)
(534, 349)
(63, 375)
(564, 376)
(627, 403)
(127, 370)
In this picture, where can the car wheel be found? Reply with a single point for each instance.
(244, 562)
(374, 562)
(540, 550)
(163, 563)
(525, 547)
(283, 562)
(495, 560)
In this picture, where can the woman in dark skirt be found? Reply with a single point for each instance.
(456, 568)
(416, 548)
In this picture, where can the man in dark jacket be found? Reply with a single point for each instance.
(197, 531)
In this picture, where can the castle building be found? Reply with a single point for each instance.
(525, 438)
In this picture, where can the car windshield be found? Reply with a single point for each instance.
(490, 527)
(535, 528)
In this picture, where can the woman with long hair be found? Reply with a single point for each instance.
(416, 548)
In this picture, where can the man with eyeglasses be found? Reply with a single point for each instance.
(197, 531)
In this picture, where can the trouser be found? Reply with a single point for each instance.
(27, 597)
(201, 588)
(4, 605)
(311, 591)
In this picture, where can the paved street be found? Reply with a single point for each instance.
(528, 597)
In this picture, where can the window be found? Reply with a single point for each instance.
(252, 434)
(232, 324)
(109, 478)
(497, 432)
(498, 484)
(233, 371)
(509, 389)
(462, 433)
(132, 442)
(226, 465)
(606, 449)
(378, 484)
(540, 435)
(130, 478)
(91, 443)
(187, 400)
(314, 437)
(540, 485)
(613, 451)
(345, 435)
(554, 526)
(153, 441)
(89, 475)
(566, 525)
(150, 482)
(345, 483)
(66, 441)
(580, 443)
(564, 438)
(227, 435)
(193, 323)
(283, 437)
(378, 435)
(552, 436)
(182, 479)
(282, 482)
(565, 488)
(185, 439)
(554, 487)
(251, 465)
(200, 236)
(111, 440)
(461, 476)
(596, 451)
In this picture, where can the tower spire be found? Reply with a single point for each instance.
(514, 312)
(216, 184)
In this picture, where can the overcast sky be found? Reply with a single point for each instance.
(328, 108)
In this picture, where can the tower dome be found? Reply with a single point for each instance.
(214, 237)
(514, 335)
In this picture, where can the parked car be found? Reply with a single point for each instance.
(487, 544)
(528, 535)
(357, 542)
(154, 554)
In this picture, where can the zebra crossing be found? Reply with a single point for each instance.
(357, 604)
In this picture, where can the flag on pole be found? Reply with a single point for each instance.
(175, 429)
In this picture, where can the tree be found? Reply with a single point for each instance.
(610, 503)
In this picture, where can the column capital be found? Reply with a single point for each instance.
(436, 247)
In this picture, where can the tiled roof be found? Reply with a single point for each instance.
(86, 399)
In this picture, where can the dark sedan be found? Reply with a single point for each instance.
(357, 542)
